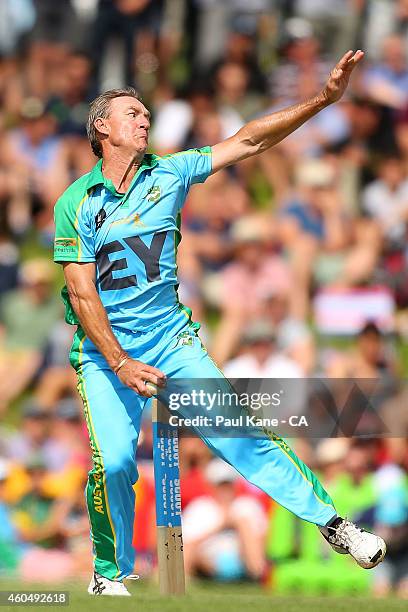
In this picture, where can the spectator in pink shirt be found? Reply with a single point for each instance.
(255, 269)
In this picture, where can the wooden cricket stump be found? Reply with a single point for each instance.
(168, 502)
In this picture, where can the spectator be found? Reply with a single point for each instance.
(319, 237)
(136, 22)
(10, 546)
(260, 358)
(391, 518)
(39, 521)
(206, 245)
(335, 23)
(37, 155)
(255, 266)
(387, 82)
(16, 18)
(224, 533)
(232, 89)
(33, 435)
(386, 200)
(35, 515)
(301, 62)
(26, 315)
(371, 358)
(55, 30)
(293, 336)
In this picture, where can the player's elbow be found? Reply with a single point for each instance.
(251, 143)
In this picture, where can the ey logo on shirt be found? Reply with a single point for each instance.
(154, 193)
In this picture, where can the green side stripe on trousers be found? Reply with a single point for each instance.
(102, 533)
(307, 473)
(76, 349)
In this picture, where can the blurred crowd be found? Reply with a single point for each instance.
(295, 262)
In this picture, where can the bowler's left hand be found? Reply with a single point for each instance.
(339, 77)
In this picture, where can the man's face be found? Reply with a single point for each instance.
(127, 126)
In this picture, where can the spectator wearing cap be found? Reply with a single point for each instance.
(372, 362)
(329, 456)
(224, 533)
(39, 520)
(335, 23)
(242, 284)
(37, 154)
(33, 434)
(259, 357)
(33, 511)
(69, 462)
(59, 438)
(301, 61)
(27, 315)
(31, 440)
(293, 336)
(322, 242)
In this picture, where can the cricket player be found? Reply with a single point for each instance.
(117, 231)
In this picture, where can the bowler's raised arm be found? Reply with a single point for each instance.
(265, 132)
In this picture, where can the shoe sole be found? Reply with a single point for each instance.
(376, 559)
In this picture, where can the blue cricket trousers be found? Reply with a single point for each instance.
(113, 415)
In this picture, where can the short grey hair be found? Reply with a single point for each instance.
(100, 108)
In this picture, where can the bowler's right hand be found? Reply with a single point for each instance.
(134, 374)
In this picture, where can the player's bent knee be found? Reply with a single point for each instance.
(121, 467)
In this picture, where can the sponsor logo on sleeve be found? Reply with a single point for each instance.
(65, 245)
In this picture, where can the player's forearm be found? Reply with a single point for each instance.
(95, 323)
(265, 132)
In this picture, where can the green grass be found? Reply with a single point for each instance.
(206, 597)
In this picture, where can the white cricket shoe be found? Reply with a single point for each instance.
(100, 585)
(345, 537)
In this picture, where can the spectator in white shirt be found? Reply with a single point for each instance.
(386, 199)
(260, 357)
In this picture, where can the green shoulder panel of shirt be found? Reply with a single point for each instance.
(67, 240)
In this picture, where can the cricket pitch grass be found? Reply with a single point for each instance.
(201, 597)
